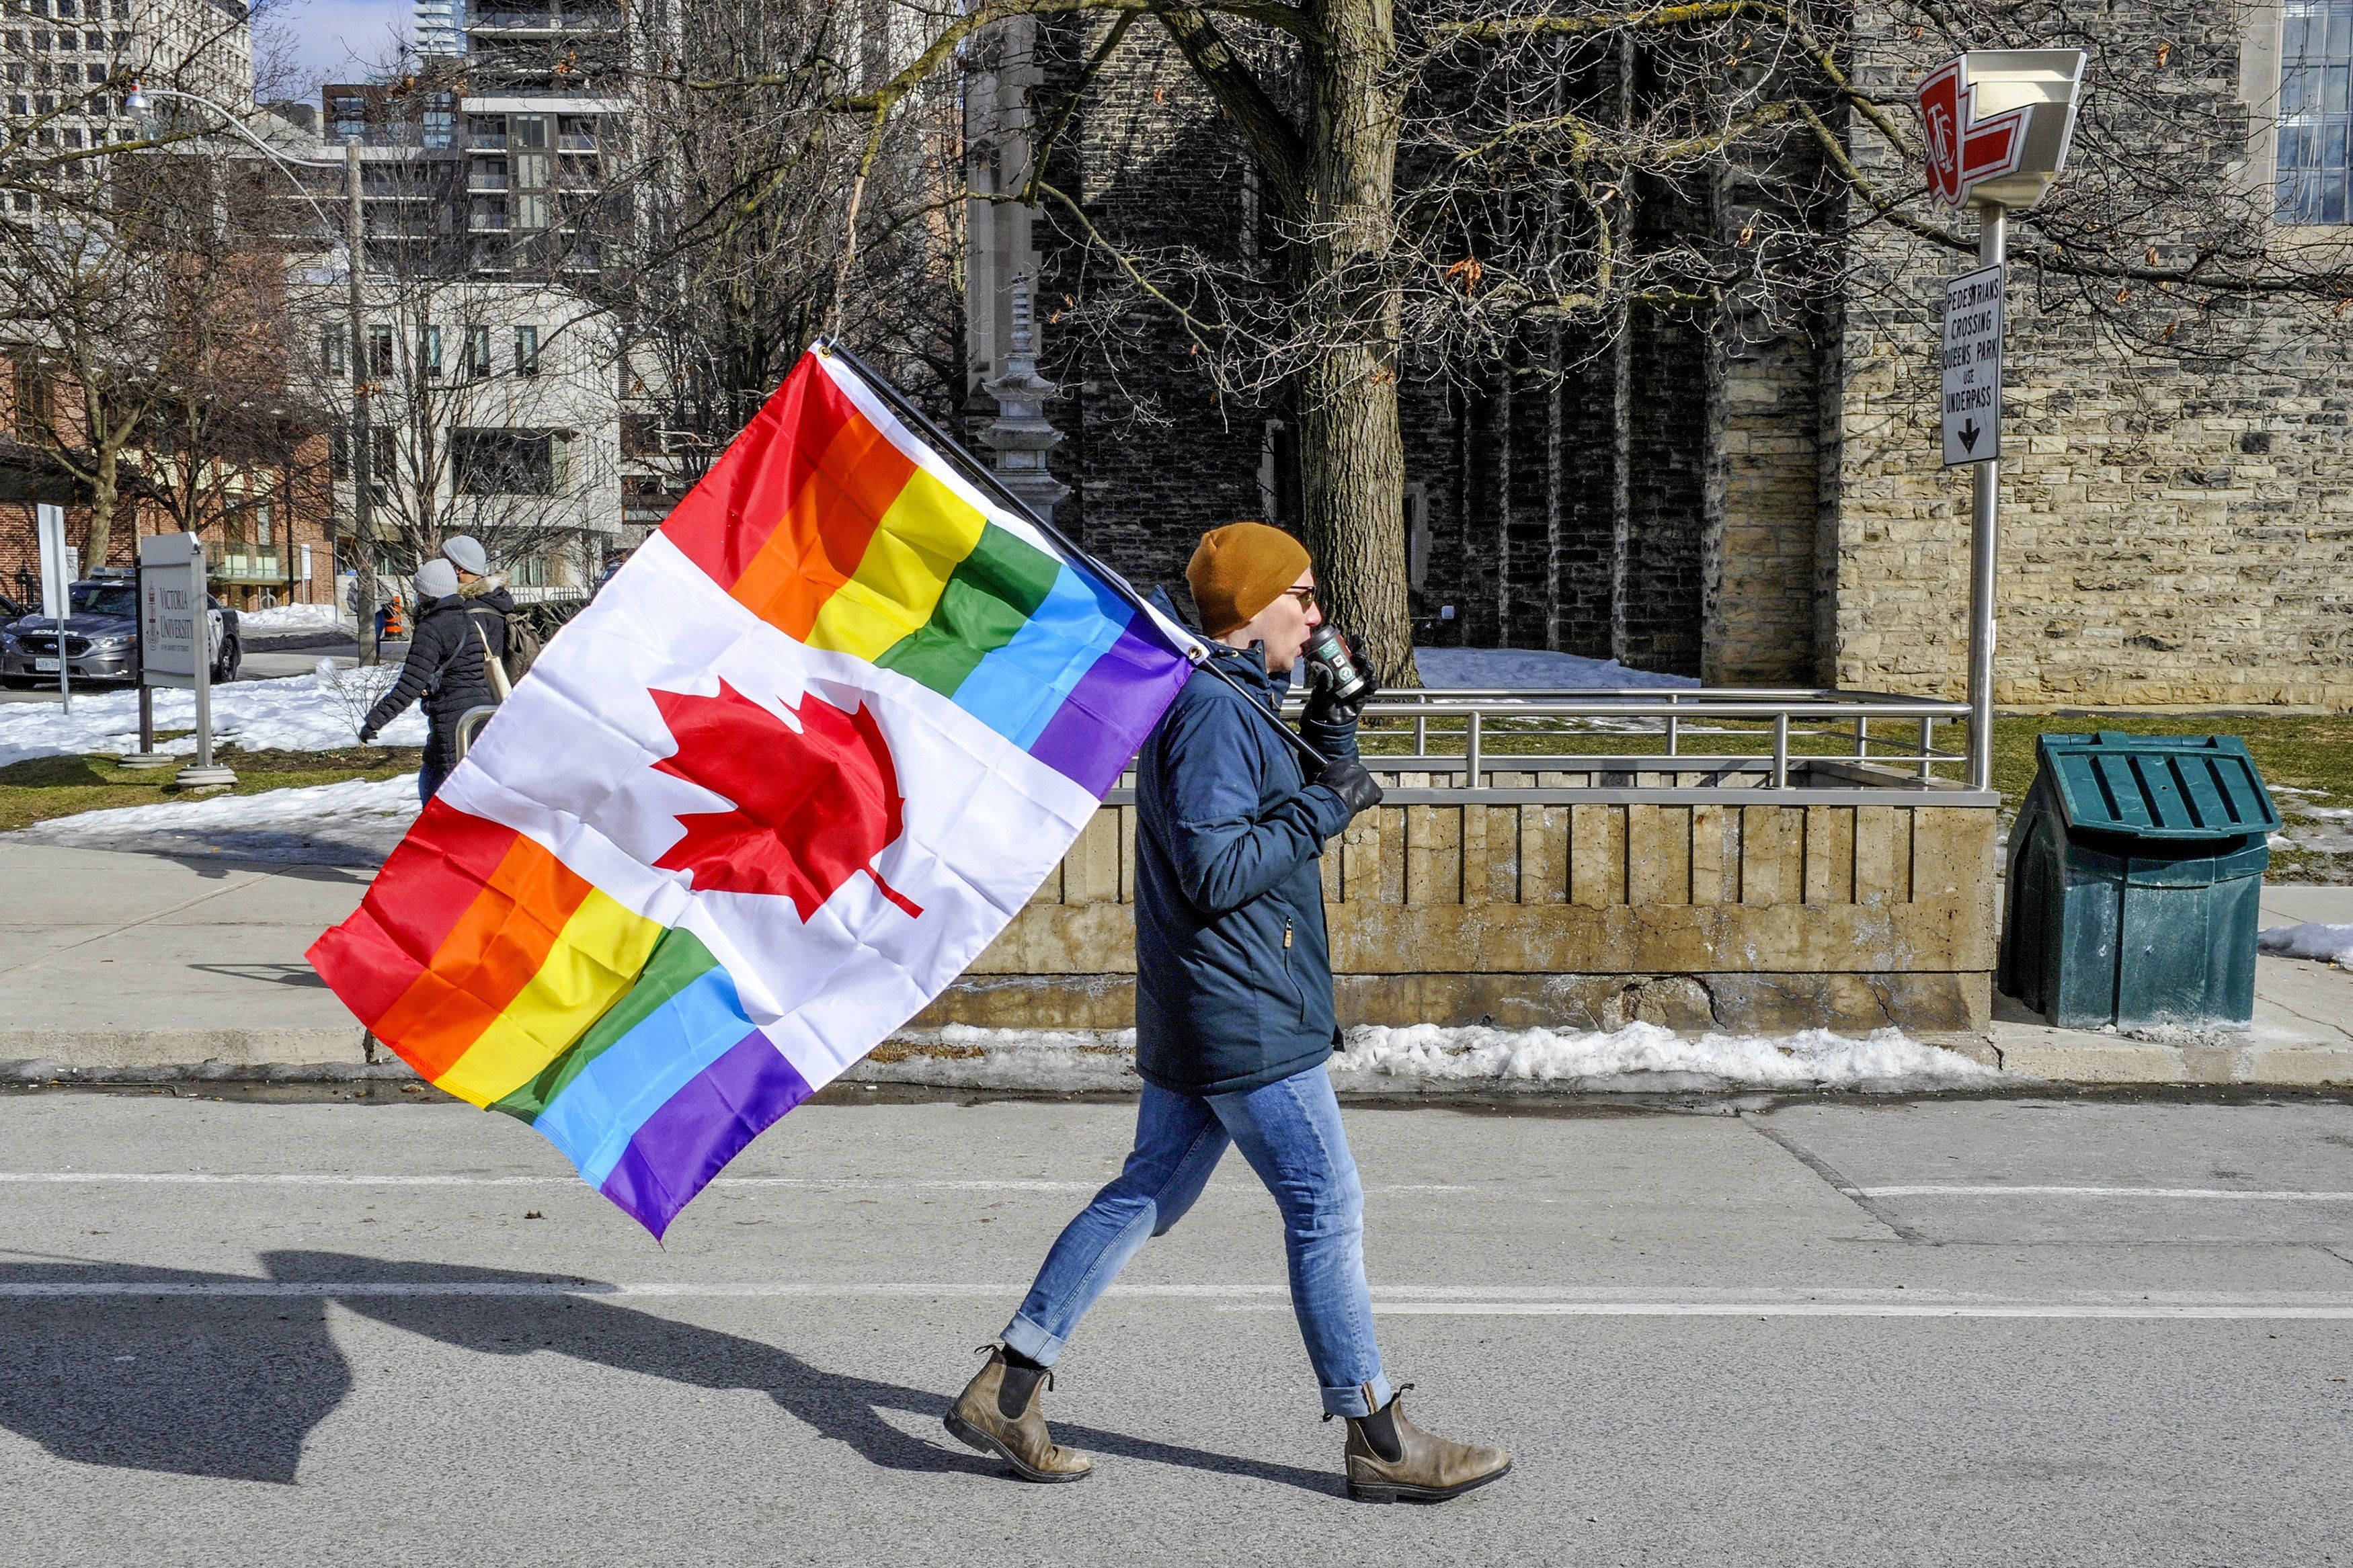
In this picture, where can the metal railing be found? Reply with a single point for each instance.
(249, 566)
(1771, 738)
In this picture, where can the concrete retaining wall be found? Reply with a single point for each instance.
(1559, 900)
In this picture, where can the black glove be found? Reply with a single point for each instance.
(1321, 706)
(368, 734)
(1346, 777)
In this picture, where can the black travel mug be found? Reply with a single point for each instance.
(1342, 678)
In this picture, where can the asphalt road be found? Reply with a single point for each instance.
(263, 663)
(2000, 1332)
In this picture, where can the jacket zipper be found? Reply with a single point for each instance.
(1286, 933)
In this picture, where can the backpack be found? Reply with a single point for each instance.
(523, 647)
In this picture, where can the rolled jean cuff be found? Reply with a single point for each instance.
(1351, 1401)
(1042, 1347)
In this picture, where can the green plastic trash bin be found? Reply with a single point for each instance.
(2136, 868)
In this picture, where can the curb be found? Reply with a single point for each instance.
(2066, 1056)
(2027, 1056)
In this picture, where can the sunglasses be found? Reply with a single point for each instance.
(1307, 597)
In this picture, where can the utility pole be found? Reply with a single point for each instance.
(362, 454)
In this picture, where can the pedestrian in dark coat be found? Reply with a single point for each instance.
(1234, 1022)
(454, 632)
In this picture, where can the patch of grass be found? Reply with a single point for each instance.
(44, 787)
(2310, 753)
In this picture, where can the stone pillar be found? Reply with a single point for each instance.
(1020, 435)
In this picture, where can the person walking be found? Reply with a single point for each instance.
(1234, 1023)
(448, 647)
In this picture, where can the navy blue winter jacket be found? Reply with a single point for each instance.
(1233, 974)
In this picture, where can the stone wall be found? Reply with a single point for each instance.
(2177, 527)
(1543, 900)
(1154, 457)
(1757, 502)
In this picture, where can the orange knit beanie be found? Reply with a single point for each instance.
(1240, 569)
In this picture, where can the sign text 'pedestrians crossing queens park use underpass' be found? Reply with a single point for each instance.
(1971, 400)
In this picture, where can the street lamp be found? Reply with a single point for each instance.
(362, 452)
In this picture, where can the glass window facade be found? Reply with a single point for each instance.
(2315, 63)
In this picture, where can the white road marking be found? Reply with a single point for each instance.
(2279, 1195)
(1472, 1300)
(809, 1183)
(2343, 1312)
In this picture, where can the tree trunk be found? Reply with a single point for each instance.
(1351, 452)
(104, 492)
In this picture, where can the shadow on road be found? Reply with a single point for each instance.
(191, 1385)
(230, 1386)
(299, 975)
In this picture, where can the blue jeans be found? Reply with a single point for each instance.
(1289, 1133)
(430, 773)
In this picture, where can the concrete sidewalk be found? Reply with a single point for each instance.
(2302, 1032)
(112, 960)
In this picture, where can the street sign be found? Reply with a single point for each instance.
(1971, 395)
(171, 606)
(1998, 123)
(60, 563)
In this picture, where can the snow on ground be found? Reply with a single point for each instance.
(351, 824)
(1639, 1057)
(316, 712)
(288, 618)
(2333, 945)
(1525, 670)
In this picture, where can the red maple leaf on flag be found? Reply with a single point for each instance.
(809, 808)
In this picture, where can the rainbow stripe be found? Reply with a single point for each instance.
(825, 527)
(504, 976)
(506, 980)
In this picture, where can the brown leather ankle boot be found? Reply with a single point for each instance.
(1426, 1467)
(979, 1419)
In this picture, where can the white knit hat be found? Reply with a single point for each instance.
(466, 554)
(437, 579)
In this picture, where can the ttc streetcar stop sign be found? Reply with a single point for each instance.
(1998, 122)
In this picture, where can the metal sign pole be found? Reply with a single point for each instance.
(1985, 538)
(146, 691)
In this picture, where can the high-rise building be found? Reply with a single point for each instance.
(65, 67)
(438, 30)
(546, 95)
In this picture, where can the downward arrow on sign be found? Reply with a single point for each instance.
(1968, 434)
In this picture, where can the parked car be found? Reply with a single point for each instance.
(101, 637)
(11, 611)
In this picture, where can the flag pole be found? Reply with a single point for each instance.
(953, 450)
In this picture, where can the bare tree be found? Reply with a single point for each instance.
(744, 179)
(1452, 184)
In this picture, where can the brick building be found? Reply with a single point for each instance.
(266, 531)
(1754, 506)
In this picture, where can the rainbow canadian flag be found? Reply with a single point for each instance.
(800, 761)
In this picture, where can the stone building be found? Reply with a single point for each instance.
(1753, 506)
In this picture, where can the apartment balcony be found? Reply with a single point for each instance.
(236, 566)
(523, 21)
(480, 180)
(488, 223)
